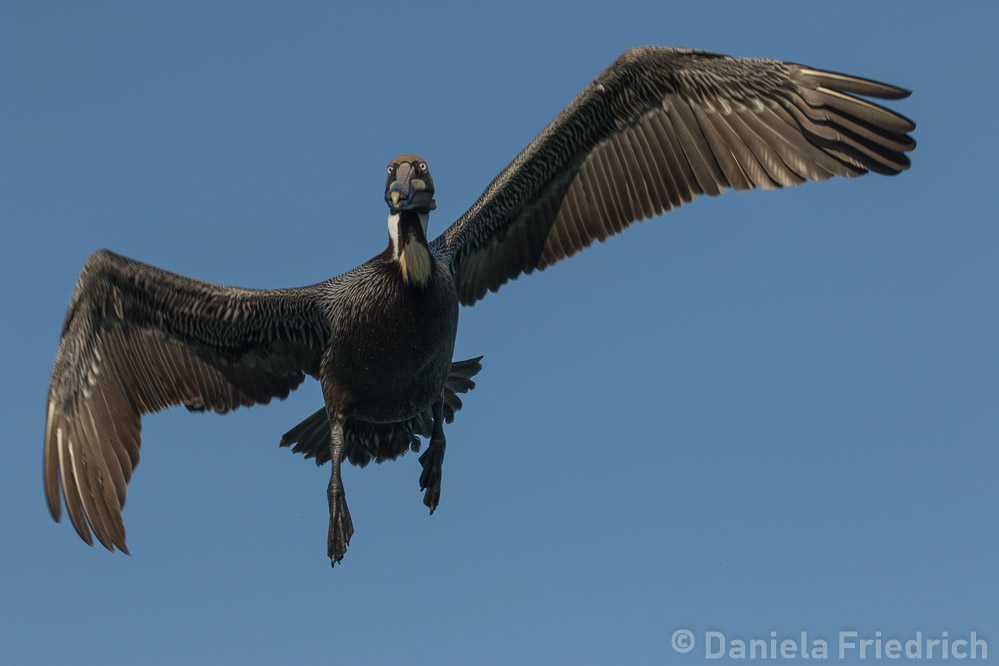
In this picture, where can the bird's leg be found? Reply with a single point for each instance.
(341, 527)
(432, 459)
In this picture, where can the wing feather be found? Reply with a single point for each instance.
(138, 339)
(658, 128)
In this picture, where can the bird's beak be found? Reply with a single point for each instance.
(401, 188)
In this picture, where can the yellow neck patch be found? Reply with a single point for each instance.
(414, 260)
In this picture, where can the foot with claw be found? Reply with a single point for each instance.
(430, 480)
(341, 527)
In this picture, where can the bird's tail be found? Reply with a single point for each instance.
(380, 441)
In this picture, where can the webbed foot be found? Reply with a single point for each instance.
(341, 527)
(430, 480)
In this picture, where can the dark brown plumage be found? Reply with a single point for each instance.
(656, 129)
(659, 127)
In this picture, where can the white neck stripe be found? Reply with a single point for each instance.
(394, 234)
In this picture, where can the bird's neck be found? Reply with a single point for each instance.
(408, 245)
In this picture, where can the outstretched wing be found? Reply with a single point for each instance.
(138, 339)
(657, 128)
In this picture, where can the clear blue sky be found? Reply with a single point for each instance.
(763, 412)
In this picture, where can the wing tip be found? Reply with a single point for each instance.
(855, 84)
(85, 534)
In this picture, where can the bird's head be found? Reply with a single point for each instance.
(409, 185)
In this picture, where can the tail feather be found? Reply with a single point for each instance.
(380, 441)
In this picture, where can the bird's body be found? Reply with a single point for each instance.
(655, 130)
(390, 352)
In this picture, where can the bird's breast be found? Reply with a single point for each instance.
(393, 340)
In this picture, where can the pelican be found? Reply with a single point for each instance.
(658, 128)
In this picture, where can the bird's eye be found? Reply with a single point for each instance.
(423, 167)
(391, 168)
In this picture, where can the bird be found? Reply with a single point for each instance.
(659, 127)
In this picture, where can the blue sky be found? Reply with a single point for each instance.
(762, 412)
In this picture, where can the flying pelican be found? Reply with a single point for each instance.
(658, 128)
